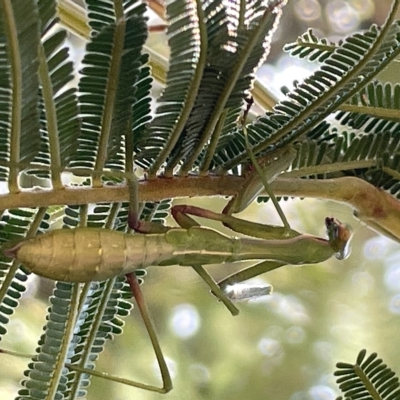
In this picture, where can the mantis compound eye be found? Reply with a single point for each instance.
(339, 236)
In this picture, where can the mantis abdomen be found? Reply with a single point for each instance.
(87, 254)
(94, 254)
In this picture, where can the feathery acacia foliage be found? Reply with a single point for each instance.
(368, 378)
(105, 128)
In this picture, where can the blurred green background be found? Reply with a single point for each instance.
(281, 347)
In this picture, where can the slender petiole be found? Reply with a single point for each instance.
(264, 181)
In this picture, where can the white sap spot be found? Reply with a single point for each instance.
(185, 321)
(269, 347)
(246, 292)
(394, 304)
(322, 392)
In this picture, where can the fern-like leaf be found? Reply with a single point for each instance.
(59, 106)
(14, 226)
(378, 95)
(238, 40)
(19, 86)
(369, 378)
(310, 47)
(47, 373)
(103, 306)
(250, 29)
(358, 59)
(106, 101)
(184, 42)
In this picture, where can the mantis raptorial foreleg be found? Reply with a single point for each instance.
(338, 235)
(186, 223)
(248, 228)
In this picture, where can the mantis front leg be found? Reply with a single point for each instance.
(186, 223)
(339, 236)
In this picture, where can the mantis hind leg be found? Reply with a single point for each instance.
(141, 304)
(165, 375)
(135, 224)
(166, 378)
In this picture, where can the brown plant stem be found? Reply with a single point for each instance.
(373, 206)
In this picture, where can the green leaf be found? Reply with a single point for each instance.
(108, 89)
(367, 379)
(60, 125)
(308, 46)
(359, 58)
(19, 84)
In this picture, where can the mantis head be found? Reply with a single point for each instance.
(339, 236)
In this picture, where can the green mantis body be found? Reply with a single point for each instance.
(95, 254)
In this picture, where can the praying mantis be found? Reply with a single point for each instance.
(91, 254)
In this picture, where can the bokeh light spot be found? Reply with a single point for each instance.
(289, 307)
(341, 16)
(307, 10)
(363, 282)
(269, 347)
(171, 364)
(323, 350)
(394, 304)
(322, 392)
(185, 321)
(392, 274)
(375, 248)
(199, 374)
(295, 335)
(364, 8)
